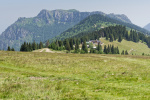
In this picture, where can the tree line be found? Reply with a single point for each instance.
(113, 33)
(10, 49)
(31, 46)
(73, 45)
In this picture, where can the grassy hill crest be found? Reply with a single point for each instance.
(131, 47)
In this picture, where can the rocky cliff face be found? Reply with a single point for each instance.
(46, 25)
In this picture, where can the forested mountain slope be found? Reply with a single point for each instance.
(147, 27)
(96, 22)
(46, 25)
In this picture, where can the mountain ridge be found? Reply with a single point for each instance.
(46, 25)
(147, 27)
(94, 22)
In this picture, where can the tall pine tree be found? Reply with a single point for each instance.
(40, 45)
(77, 45)
(67, 46)
(99, 48)
(120, 38)
(34, 46)
(84, 47)
(8, 49)
(111, 38)
(71, 43)
(105, 50)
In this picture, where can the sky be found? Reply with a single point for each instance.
(136, 10)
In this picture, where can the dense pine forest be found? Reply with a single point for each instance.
(111, 33)
(31, 46)
(96, 22)
(79, 43)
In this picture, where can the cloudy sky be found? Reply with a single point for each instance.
(136, 10)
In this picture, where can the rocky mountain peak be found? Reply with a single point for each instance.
(46, 25)
(43, 12)
(120, 17)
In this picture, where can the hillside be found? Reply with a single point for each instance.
(44, 26)
(147, 27)
(131, 47)
(73, 76)
(93, 23)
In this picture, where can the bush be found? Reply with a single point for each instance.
(82, 52)
(77, 51)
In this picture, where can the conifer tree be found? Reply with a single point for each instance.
(8, 49)
(118, 51)
(84, 47)
(127, 36)
(99, 48)
(30, 47)
(120, 38)
(65, 42)
(77, 45)
(122, 52)
(27, 49)
(109, 49)
(112, 49)
(57, 44)
(37, 46)
(67, 46)
(34, 46)
(60, 43)
(26, 46)
(111, 38)
(131, 35)
(53, 46)
(107, 36)
(40, 45)
(77, 50)
(71, 44)
(74, 40)
(105, 50)
(12, 49)
(21, 48)
(126, 52)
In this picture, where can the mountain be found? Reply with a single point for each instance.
(96, 22)
(46, 25)
(147, 27)
(121, 17)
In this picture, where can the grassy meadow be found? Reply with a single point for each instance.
(60, 76)
(131, 47)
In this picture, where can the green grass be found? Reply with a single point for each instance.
(131, 47)
(60, 76)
